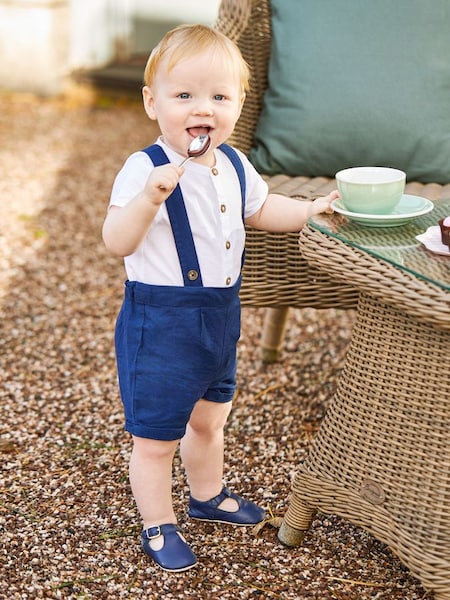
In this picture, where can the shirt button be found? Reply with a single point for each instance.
(223, 208)
(227, 244)
(228, 281)
(214, 171)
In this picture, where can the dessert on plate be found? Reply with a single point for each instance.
(444, 224)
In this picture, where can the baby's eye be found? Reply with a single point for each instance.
(219, 97)
(184, 95)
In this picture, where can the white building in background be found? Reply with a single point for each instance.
(43, 41)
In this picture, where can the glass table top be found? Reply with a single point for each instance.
(397, 245)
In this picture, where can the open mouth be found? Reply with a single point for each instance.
(199, 130)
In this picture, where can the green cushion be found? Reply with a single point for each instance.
(357, 83)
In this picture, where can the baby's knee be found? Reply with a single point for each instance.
(210, 422)
(154, 449)
(206, 429)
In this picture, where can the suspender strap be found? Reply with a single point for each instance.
(184, 242)
(237, 164)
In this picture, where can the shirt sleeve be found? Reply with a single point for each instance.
(131, 179)
(256, 188)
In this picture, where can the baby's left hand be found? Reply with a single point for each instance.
(323, 204)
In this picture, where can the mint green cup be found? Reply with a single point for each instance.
(370, 190)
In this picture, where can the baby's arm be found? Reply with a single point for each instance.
(125, 227)
(281, 213)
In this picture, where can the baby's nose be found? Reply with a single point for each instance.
(203, 107)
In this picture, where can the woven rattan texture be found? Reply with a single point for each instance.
(421, 300)
(248, 23)
(381, 456)
(275, 273)
(386, 467)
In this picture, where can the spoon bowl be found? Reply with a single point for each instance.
(198, 147)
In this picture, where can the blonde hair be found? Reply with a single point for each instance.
(189, 40)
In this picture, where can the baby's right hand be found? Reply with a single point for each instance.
(161, 182)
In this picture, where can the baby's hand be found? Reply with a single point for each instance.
(161, 182)
(323, 204)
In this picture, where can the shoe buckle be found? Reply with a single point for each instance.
(155, 535)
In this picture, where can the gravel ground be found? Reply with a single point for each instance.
(69, 528)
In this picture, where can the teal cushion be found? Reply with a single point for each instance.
(357, 83)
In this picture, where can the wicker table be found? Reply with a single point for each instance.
(382, 455)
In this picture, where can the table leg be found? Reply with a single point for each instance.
(381, 457)
(296, 522)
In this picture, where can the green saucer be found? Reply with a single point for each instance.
(408, 208)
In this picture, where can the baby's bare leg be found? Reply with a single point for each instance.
(202, 451)
(151, 480)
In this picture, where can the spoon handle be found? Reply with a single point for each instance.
(185, 160)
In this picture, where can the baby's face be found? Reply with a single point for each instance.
(199, 95)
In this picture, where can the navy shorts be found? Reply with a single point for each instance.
(174, 345)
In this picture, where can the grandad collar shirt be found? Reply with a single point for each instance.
(213, 203)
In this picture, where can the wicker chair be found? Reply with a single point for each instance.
(275, 275)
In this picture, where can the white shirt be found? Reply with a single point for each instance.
(214, 207)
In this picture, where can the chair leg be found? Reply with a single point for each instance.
(273, 333)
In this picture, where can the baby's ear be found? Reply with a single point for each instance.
(241, 103)
(149, 102)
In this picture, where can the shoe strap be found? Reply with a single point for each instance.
(154, 532)
(225, 493)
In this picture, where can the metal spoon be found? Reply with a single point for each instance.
(197, 147)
